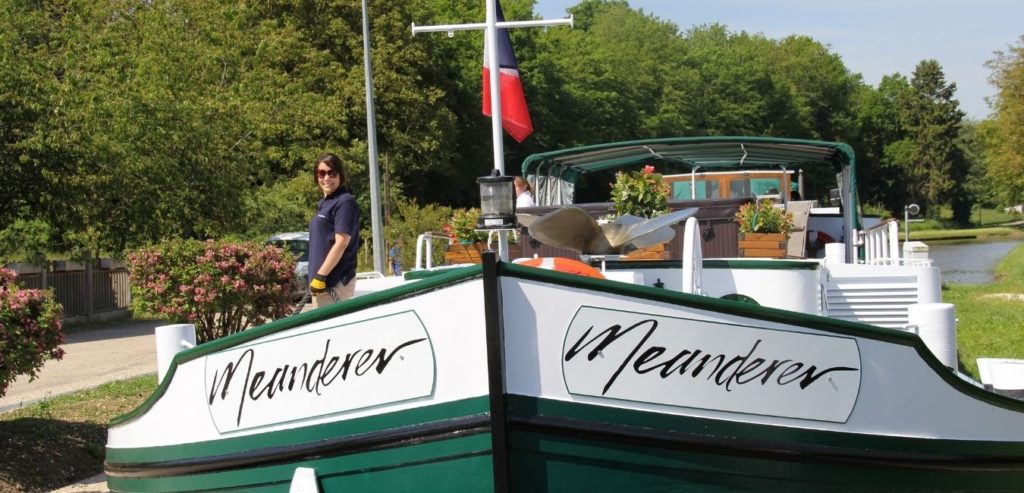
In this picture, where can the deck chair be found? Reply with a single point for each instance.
(796, 247)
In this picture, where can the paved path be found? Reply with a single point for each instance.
(92, 357)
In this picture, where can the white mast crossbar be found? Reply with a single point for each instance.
(440, 28)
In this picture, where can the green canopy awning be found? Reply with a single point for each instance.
(709, 153)
(554, 173)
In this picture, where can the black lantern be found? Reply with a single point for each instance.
(497, 202)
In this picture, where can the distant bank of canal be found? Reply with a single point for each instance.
(969, 261)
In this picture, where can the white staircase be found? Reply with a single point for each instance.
(878, 294)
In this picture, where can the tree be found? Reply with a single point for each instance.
(27, 30)
(821, 85)
(1004, 154)
(883, 144)
(933, 118)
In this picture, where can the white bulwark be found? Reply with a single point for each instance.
(657, 359)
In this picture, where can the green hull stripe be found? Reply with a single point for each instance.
(298, 436)
(524, 410)
(609, 449)
(545, 462)
(457, 464)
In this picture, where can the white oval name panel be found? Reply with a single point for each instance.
(693, 363)
(358, 365)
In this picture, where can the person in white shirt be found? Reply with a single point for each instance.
(524, 195)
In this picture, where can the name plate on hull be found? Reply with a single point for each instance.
(354, 366)
(719, 366)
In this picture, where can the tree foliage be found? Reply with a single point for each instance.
(127, 122)
(1005, 137)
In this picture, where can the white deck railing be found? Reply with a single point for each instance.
(882, 243)
(425, 249)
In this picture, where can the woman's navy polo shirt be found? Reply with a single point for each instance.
(336, 213)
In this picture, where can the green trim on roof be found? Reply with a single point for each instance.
(688, 152)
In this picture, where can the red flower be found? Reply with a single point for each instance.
(648, 169)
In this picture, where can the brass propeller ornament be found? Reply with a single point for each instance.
(574, 228)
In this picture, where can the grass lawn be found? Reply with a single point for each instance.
(991, 322)
(58, 441)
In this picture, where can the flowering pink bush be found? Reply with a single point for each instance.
(221, 287)
(29, 330)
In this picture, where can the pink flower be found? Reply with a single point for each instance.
(648, 169)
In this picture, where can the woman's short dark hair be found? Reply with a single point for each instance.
(334, 162)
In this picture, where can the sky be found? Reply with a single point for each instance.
(873, 37)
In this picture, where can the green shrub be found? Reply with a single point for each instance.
(30, 330)
(876, 210)
(25, 240)
(286, 205)
(221, 287)
(410, 220)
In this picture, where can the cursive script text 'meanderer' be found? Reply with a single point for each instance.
(722, 369)
(306, 376)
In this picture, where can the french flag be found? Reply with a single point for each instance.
(515, 117)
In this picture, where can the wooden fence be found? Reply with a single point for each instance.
(109, 290)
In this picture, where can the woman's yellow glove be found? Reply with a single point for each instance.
(319, 284)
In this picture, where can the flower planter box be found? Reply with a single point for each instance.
(464, 254)
(771, 245)
(656, 252)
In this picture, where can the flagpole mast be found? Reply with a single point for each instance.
(490, 27)
(497, 138)
(371, 142)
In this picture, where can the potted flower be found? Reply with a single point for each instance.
(465, 242)
(640, 193)
(764, 229)
(644, 194)
(461, 228)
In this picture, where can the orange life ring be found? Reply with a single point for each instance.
(561, 264)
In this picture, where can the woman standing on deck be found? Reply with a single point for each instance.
(333, 235)
(524, 194)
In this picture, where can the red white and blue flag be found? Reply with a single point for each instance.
(515, 117)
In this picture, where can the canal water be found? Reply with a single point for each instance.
(969, 261)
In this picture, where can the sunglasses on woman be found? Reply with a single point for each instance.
(320, 173)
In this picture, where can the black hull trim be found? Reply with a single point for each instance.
(400, 437)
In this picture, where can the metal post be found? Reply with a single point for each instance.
(371, 142)
(906, 224)
(497, 136)
(90, 298)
